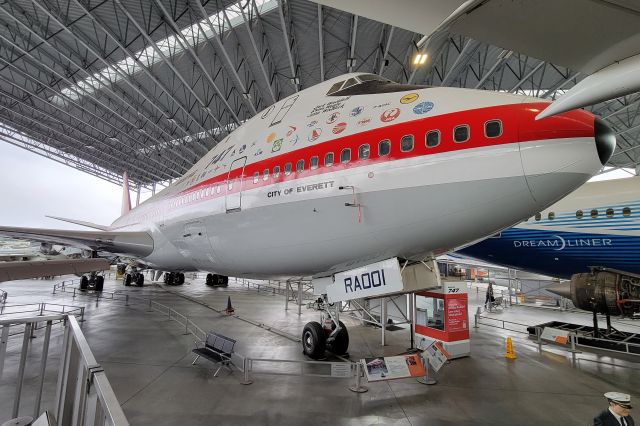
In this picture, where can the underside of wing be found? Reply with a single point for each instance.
(10, 271)
(133, 244)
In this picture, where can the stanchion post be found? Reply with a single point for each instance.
(357, 387)
(245, 369)
(539, 334)
(426, 380)
(186, 325)
(126, 300)
(476, 317)
(150, 308)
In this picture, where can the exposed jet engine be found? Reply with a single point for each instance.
(605, 291)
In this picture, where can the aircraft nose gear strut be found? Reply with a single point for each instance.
(330, 334)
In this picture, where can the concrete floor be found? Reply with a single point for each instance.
(147, 359)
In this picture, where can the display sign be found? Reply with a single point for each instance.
(555, 335)
(436, 354)
(394, 367)
(457, 316)
(341, 369)
(368, 281)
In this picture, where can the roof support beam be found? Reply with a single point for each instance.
(383, 62)
(463, 59)
(527, 76)
(502, 58)
(352, 44)
(187, 46)
(288, 43)
(232, 67)
(321, 41)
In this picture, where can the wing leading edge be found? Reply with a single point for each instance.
(134, 244)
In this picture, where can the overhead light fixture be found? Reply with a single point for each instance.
(420, 59)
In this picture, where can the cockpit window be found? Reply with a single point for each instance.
(367, 84)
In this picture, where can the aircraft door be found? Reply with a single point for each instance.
(235, 181)
(194, 244)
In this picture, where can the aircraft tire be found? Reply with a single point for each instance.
(126, 280)
(139, 279)
(84, 282)
(340, 343)
(99, 283)
(314, 340)
(210, 279)
(179, 279)
(225, 281)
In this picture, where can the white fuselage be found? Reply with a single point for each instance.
(237, 212)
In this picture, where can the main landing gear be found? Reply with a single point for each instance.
(93, 281)
(134, 277)
(215, 280)
(331, 334)
(173, 278)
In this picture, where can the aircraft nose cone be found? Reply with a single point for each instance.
(605, 140)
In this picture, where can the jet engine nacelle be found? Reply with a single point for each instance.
(607, 292)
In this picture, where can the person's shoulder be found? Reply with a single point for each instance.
(604, 418)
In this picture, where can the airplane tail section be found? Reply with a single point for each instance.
(126, 199)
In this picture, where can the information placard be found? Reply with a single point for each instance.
(436, 354)
(393, 367)
(555, 335)
(341, 369)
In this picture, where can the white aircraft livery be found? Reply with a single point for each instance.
(353, 171)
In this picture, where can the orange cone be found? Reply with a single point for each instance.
(510, 352)
(229, 310)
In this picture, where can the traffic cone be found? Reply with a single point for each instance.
(229, 310)
(510, 352)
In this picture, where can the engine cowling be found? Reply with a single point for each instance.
(607, 292)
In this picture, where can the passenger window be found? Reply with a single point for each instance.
(265, 174)
(328, 159)
(364, 151)
(255, 178)
(461, 133)
(218, 188)
(579, 214)
(551, 215)
(406, 143)
(432, 138)
(538, 216)
(626, 212)
(230, 183)
(207, 192)
(345, 155)
(609, 212)
(384, 147)
(594, 213)
(300, 166)
(287, 169)
(313, 164)
(276, 171)
(493, 128)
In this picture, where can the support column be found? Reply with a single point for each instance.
(383, 318)
(286, 295)
(138, 195)
(299, 297)
(411, 311)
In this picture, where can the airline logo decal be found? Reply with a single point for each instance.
(409, 98)
(291, 130)
(242, 148)
(293, 140)
(390, 115)
(313, 123)
(333, 117)
(339, 128)
(315, 134)
(328, 107)
(364, 121)
(258, 152)
(423, 107)
(356, 111)
(276, 145)
(560, 243)
(271, 137)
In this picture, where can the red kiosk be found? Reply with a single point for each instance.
(443, 315)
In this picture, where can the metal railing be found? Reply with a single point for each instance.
(66, 286)
(189, 326)
(84, 395)
(497, 323)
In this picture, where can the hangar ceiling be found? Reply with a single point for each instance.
(149, 86)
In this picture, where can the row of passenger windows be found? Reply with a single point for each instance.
(609, 213)
(461, 133)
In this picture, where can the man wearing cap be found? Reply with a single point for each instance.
(618, 412)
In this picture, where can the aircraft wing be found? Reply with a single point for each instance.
(81, 223)
(598, 38)
(10, 271)
(134, 244)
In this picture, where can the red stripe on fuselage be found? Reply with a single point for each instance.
(518, 125)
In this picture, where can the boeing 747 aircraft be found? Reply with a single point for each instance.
(350, 172)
